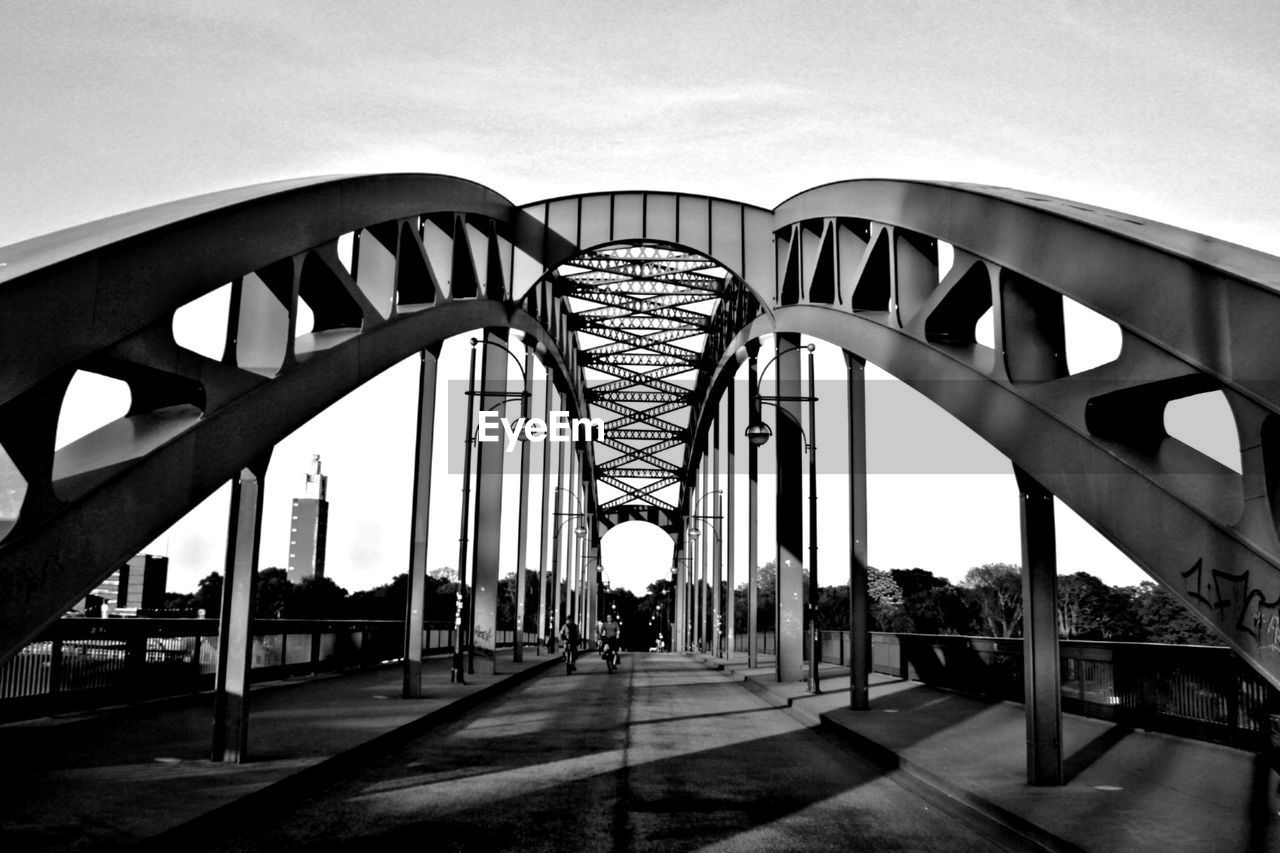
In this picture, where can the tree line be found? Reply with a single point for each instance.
(987, 602)
(277, 597)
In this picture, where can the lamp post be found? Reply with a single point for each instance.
(580, 579)
(580, 531)
(758, 433)
(455, 670)
(671, 607)
(694, 533)
(504, 398)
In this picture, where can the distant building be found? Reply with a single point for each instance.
(138, 585)
(309, 527)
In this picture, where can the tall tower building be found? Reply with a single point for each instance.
(309, 527)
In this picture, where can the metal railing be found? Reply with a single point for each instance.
(79, 663)
(1202, 692)
(766, 642)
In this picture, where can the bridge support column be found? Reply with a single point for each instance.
(235, 617)
(416, 583)
(573, 557)
(717, 591)
(1040, 634)
(859, 601)
(753, 512)
(486, 538)
(544, 518)
(731, 596)
(704, 537)
(558, 524)
(677, 618)
(595, 594)
(790, 513)
(522, 535)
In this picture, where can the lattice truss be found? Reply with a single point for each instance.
(642, 313)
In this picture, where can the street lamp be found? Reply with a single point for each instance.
(694, 535)
(758, 433)
(580, 531)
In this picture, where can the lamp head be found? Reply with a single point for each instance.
(758, 433)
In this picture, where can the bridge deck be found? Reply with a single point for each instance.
(667, 754)
(109, 778)
(1126, 790)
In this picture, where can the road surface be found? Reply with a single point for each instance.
(663, 755)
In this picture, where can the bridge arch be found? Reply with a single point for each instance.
(854, 263)
(1095, 439)
(435, 257)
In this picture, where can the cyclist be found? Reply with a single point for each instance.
(569, 636)
(610, 641)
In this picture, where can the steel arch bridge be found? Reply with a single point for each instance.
(647, 288)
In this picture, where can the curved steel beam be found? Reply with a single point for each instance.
(102, 297)
(855, 263)
(858, 267)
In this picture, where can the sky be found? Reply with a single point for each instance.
(1170, 111)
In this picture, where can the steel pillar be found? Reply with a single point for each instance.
(571, 546)
(859, 600)
(717, 591)
(753, 512)
(235, 617)
(592, 590)
(522, 535)
(416, 582)
(544, 519)
(558, 523)
(487, 539)
(790, 513)
(811, 611)
(704, 537)
(731, 595)
(1040, 634)
(677, 617)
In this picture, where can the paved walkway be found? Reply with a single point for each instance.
(1127, 790)
(105, 779)
(665, 755)
(110, 778)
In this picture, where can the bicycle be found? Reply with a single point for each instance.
(612, 657)
(569, 658)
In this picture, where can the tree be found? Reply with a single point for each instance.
(997, 590)
(208, 595)
(179, 604)
(1089, 609)
(946, 609)
(382, 602)
(1079, 599)
(767, 596)
(507, 603)
(833, 608)
(317, 598)
(930, 605)
(913, 582)
(885, 593)
(272, 594)
(1164, 619)
(442, 592)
